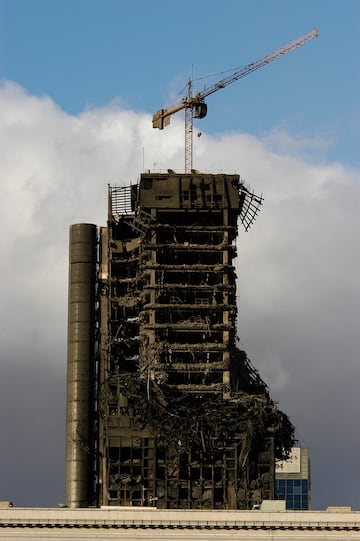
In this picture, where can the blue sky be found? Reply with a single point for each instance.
(87, 53)
(79, 81)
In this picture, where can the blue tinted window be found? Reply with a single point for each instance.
(294, 491)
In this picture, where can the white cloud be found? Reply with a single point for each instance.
(281, 140)
(297, 267)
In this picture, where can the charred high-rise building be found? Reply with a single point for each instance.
(162, 408)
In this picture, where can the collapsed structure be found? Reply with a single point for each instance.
(162, 408)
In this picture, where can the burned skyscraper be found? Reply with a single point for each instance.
(162, 407)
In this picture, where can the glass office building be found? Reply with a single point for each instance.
(292, 480)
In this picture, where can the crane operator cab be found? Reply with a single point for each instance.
(200, 110)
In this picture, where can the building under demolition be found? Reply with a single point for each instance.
(162, 408)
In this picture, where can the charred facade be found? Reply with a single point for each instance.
(162, 407)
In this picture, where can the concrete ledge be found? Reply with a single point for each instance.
(154, 518)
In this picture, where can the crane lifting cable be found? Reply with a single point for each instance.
(195, 105)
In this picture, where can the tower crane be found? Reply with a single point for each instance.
(195, 106)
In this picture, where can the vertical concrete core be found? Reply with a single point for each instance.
(82, 272)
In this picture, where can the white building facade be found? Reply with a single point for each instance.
(153, 524)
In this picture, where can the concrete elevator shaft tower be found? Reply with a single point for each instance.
(80, 374)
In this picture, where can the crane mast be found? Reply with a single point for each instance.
(195, 106)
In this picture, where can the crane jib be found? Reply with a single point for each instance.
(195, 106)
